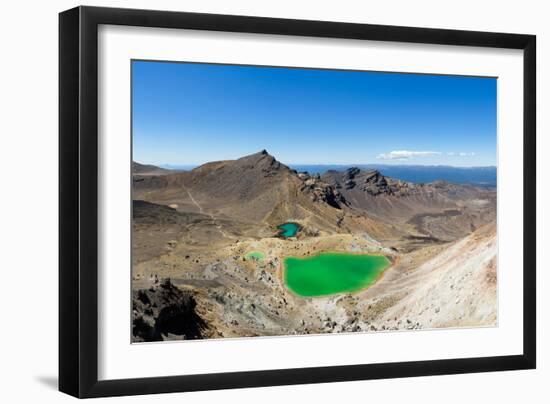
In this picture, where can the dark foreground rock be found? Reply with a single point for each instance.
(165, 312)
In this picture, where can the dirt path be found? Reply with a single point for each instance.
(214, 220)
(201, 210)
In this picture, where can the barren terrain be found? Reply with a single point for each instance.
(193, 230)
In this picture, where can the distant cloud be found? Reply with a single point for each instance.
(461, 154)
(406, 154)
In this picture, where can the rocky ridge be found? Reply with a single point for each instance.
(372, 182)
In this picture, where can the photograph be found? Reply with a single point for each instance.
(268, 202)
(272, 201)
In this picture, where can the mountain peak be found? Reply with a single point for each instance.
(259, 155)
(256, 156)
(260, 159)
(354, 171)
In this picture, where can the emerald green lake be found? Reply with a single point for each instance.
(329, 273)
(288, 229)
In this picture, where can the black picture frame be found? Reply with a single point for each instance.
(78, 201)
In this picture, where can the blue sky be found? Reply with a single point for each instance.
(189, 113)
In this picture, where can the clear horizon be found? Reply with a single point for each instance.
(188, 114)
(161, 164)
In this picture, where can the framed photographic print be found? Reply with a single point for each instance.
(250, 201)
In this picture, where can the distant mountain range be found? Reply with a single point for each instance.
(479, 176)
(146, 169)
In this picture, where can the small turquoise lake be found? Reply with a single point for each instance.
(288, 229)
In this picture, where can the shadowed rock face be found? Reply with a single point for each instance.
(374, 183)
(165, 312)
(371, 182)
